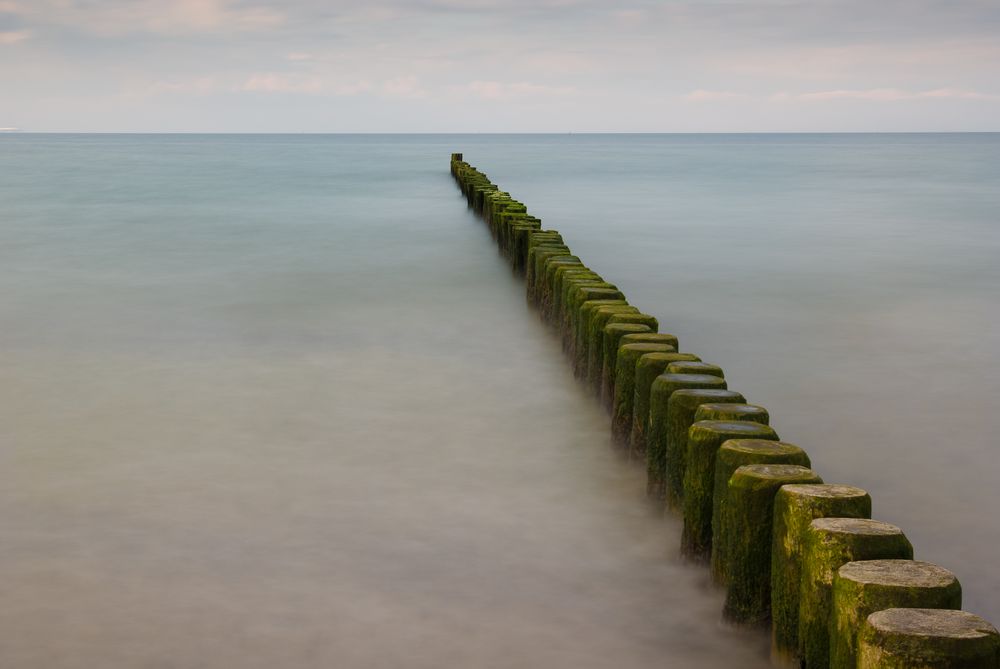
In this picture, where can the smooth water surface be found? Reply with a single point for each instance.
(849, 283)
(275, 401)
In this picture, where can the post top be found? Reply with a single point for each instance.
(906, 573)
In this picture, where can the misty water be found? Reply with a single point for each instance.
(276, 401)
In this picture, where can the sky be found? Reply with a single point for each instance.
(499, 65)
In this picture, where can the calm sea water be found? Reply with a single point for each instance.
(275, 400)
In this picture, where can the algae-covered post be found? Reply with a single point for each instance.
(670, 418)
(828, 544)
(732, 455)
(664, 435)
(718, 411)
(704, 441)
(695, 367)
(614, 334)
(795, 507)
(749, 517)
(927, 638)
(624, 393)
(617, 335)
(595, 338)
(647, 370)
(862, 588)
(589, 313)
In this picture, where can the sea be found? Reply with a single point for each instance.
(276, 400)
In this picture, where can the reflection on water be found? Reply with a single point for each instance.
(276, 402)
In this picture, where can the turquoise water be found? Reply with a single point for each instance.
(275, 400)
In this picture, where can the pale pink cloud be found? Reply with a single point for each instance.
(177, 17)
(403, 87)
(702, 95)
(197, 85)
(14, 36)
(838, 67)
(282, 83)
(270, 82)
(495, 90)
(886, 95)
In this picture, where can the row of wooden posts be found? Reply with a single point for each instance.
(804, 557)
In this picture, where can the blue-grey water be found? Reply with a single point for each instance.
(276, 401)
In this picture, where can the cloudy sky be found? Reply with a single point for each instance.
(499, 65)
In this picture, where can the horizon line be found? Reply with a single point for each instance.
(18, 131)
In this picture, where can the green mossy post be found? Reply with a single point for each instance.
(696, 367)
(625, 367)
(585, 318)
(732, 455)
(647, 370)
(493, 204)
(519, 231)
(509, 218)
(827, 545)
(749, 512)
(600, 296)
(862, 588)
(546, 285)
(560, 293)
(541, 238)
(615, 335)
(650, 338)
(745, 412)
(578, 318)
(569, 285)
(704, 441)
(544, 268)
(579, 292)
(537, 287)
(929, 639)
(670, 418)
(511, 215)
(795, 507)
(705, 388)
(520, 235)
(537, 255)
(640, 318)
(599, 319)
(637, 318)
(545, 237)
(596, 347)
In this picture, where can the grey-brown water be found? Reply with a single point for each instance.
(275, 401)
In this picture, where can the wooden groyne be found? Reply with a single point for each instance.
(794, 554)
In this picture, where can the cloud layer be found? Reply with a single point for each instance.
(491, 65)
